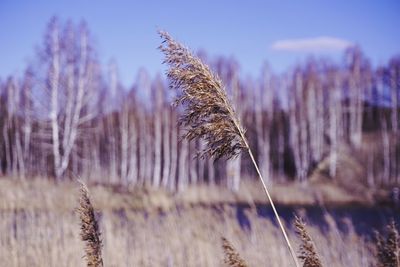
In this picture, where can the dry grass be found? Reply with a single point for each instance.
(187, 237)
(42, 195)
(308, 254)
(90, 232)
(134, 235)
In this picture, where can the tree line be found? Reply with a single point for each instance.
(66, 117)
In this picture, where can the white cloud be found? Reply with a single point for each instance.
(317, 44)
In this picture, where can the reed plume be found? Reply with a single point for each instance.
(90, 233)
(232, 257)
(388, 249)
(208, 111)
(308, 254)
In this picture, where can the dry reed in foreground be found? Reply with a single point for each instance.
(90, 232)
(232, 257)
(208, 112)
(388, 249)
(308, 254)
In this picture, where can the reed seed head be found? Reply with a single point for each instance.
(208, 111)
(388, 249)
(232, 257)
(90, 233)
(308, 254)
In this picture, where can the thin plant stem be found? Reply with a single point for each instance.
(292, 252)
(242, 135)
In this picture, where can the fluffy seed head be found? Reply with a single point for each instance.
(232, 257)
(308, 254)
(388, 249)
(208, 111)
(90, 233)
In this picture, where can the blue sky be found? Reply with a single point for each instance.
(279, 32)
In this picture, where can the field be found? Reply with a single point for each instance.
(148, 227)
(204, 165)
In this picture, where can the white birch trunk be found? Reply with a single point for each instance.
(124, 134)
(142, 147)
(183, 165)
(54, 87)
(27, 125)
(174, 154)
(157, 134)
(333, 126)
(166, 147)
(133, 160)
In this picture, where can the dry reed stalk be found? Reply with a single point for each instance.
(308, 254)
(90, 233)
(208, 111)
(232, 257)
(388, 250)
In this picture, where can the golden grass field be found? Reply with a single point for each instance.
(39, 227)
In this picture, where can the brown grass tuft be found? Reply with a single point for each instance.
(208, 111)
(388, 250)
(90, 232)
(308, 254)
(232, 257)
